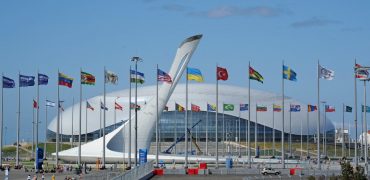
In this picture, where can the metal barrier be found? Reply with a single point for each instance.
(137, 172)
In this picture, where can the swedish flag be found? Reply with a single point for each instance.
(289, 74)
(194, 74)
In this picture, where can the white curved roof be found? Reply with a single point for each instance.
(199, 94)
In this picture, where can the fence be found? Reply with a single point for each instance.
(137, 172)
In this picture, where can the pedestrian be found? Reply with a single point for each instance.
(53, 177)
(43, 176)
(29, 177)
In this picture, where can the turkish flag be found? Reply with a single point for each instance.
(222, 74)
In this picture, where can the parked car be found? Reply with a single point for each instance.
(266, 171)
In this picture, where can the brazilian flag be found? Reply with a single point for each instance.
(228, 107)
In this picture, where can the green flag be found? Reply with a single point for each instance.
(228, 107)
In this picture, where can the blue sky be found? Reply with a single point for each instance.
(91, 34)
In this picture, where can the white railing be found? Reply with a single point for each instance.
(137, 172)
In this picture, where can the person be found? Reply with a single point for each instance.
(43, 176)
(29, 177)
(53, 177)
(34, 177)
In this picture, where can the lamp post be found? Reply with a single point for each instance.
(136, 59)
(364, 110)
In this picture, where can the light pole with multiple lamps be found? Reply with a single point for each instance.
(136, 59)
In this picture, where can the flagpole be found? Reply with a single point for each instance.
(73, 102)
(356, 159)
(273, 131)
(18, 119)
(283, 131)
(129, 122)
(2, 120)
(290, 131)
(216, 118)
(308, 132)
(239, 135)
(57, 135)
(80, 123)
(318, 118)
(37, 112)
(264, 139)
(33, 133)
(223, 129)
(136, 59)
(362, 132)
(156, 125)
(186, 122)
(255, 134)
(46, 129)
(191, 129)
(324, 136)
(335, 142)
(175, 129)
(206, 131)
(100, 127)
(349, 149)
(366, 133)
(115, 114)
(105, 76)
(301, 138)
(343, 131)
(249, 120)
(86, 123)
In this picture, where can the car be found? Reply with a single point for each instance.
(266, 171)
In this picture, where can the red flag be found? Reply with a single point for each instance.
(329, 108)
(195, 108)
(222, 74)
(35, 105)
(117, 106)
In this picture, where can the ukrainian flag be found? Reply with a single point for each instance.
(194, 74)
(289, 74)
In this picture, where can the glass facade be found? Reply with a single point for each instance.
(172, 123)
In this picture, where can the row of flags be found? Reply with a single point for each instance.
(192, 74)
(261, 108)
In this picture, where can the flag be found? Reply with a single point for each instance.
(102, 106)
(64, 80)
(132, 106)
(111, 77)
(50, 103)
(276, 108)
(243, 107)
(137, 76)
(361, 73)
(42, 79)
(228, 107)
(88, 106)
(117, 106)
(35, 105)
(222, 74)
(261, 108)
(163, 76)
(289, 74)
(311, 108)
(329, 108)
(8, 83)
(254, 75)
(179, 108)
(195, 108)
(194, 74)
(348, 109)
(87, 78)
(367, 108)
(295, 108)
(25, 81)
(211, 107)
(326, 73)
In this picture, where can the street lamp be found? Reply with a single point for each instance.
(364, 110)
(136, 59)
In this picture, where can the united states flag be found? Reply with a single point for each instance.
(164, 77)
